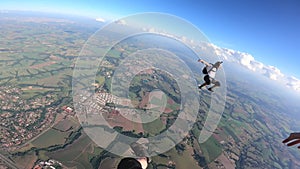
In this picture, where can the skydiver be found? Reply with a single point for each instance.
(210, 72)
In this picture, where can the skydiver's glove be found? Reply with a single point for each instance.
(200, 60)
(140, 151)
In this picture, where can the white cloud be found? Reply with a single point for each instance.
(100, 20)
(246, 60)
(257, 66)
(293, 83)
(121, 22)
(273, 73)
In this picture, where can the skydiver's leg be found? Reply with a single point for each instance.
(207, 81)
(216, 84)
(200, 86)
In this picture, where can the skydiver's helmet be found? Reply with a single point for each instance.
(217, 64)
(129, 163)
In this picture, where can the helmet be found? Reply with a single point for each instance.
(129, 163)
(217, 64)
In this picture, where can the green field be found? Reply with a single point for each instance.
(108, 163)
(230, 131)
(100, 80)
(154, 127)
(25, 161)
(42, 155)
(211, 149)
(66, 124)
(30, 93)
(114, 53)
(49, 138)
(78, 154)
(182, 161)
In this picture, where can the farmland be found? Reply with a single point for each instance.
(38, 120)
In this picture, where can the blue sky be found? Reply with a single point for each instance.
(267, 29)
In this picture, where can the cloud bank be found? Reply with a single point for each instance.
(248, 61)
(100, 20)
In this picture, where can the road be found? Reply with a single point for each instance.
(8, 162)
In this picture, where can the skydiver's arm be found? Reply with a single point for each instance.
(204, 62)
(293, 139)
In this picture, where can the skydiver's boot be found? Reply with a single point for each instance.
(211, 88)
(200, 86)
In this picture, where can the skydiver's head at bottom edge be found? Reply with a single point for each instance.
(131, 163)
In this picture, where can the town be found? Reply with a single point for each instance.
(23, 119)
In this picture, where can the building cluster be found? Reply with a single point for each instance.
(22, 119)
(103, 98)
(49, 164)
